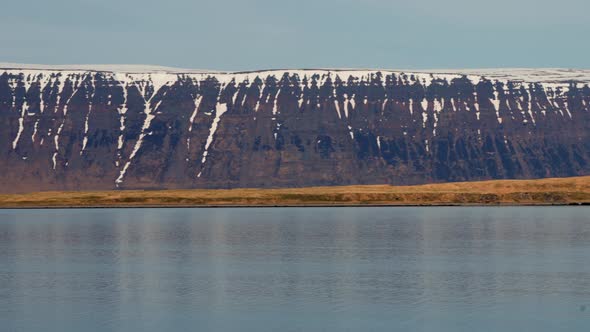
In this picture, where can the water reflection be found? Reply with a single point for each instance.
(427, 269)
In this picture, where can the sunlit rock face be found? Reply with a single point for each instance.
(85, 129)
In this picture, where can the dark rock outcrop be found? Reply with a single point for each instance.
(93, 130)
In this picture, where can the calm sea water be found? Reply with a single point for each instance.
(296, 269)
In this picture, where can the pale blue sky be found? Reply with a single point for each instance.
(260, 34)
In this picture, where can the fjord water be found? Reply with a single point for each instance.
(296, 269)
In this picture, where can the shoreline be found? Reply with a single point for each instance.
(74, 207)
(573, 191)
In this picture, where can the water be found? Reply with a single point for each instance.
(283, 269)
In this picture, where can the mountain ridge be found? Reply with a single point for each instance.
(516, 74)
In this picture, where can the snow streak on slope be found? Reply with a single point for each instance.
(157, 82)
(220, 109)
(24, 108)
(192, 120)
(90, 98)
(122, 109)
(75, 88)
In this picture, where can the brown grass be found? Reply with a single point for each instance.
(501, 192)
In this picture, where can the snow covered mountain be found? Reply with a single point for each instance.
(133, 127)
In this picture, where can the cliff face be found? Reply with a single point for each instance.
(90, 130)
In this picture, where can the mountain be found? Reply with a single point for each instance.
(133, 127)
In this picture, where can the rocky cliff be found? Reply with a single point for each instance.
(90, 129)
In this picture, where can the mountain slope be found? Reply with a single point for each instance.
(137, 128)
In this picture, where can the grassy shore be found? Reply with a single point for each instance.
(561, 191)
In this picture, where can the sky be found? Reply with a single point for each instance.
(272, 34)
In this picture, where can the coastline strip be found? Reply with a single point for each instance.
(554, 191)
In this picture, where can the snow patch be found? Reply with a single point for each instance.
(21, 120)
(158, 81)
(192, 120)
(220, 109)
